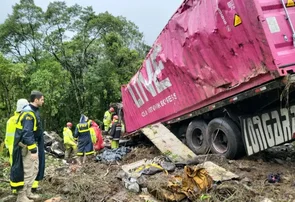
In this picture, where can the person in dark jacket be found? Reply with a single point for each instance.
(115, 132)
(82, 132)
(28, 157)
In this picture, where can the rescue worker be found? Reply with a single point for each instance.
(69, 142)
(11, 127)
(107, 119)
(115, 133)
(83, 133)
(99, 144)
(28, 156)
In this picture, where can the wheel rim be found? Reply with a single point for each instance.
(220, 141)
(197, 137)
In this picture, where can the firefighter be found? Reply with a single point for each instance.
(107, 119)
(115, 133)
(11, 127)
(83, 133)
(69, 142)
(28, 156)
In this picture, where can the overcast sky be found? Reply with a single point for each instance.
(149, 15)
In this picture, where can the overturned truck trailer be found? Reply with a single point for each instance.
(220, 75)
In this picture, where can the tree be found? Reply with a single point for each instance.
(20, 35)
(77, 58)
(11, 78)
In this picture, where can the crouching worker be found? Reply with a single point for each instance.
(83, 133)
(69, 142)
(115, 133)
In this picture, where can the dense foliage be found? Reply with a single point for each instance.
(76, 57)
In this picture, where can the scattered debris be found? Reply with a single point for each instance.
(148, 197)
(110, 182)
(266, 200)
(54, 144)
(274, 178)
(8, 198)
(55, 199)
(169, 144)
(131, 184)
(218, 173)
(111, 155)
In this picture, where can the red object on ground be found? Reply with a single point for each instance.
(99, 139)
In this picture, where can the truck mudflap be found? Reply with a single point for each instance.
(268, 129)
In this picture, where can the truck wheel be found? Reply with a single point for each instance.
(196, 137)
(225, 138)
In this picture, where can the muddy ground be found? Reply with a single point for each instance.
(97, 182)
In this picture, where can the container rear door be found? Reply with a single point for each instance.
(280, 32)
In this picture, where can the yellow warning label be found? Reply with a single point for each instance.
(290, 3)
(237, 20)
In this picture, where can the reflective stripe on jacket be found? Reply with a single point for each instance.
(68, 137)
(116, 130)
(10, 132)
(93, 135)
(83, 133)
(28, 131)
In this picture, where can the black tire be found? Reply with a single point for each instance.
(225, 138)
(196, 137)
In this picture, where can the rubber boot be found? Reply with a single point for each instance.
(78, 160)
(113, 144)
(30, 195)
(14, 191)
(84, 159)
(22, 196)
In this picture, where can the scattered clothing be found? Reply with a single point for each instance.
(111, 155)
(274, 178)
(149, 169)
(194, 181)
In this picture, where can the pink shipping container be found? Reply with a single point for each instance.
(210, 51)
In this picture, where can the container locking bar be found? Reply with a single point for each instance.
(290, 22)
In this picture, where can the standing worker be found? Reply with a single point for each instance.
(107, 119)
(69, 142)
(99, 144)
(28, 158)
(83, 133)
(115, 133)
(11, 127)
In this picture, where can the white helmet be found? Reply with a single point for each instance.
(21, 103)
